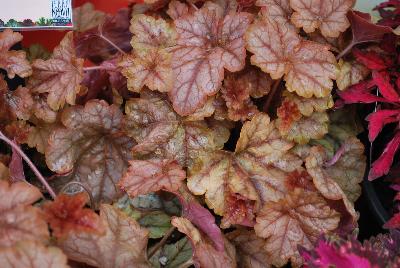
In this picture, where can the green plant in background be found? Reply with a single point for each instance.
(41, 21)
(12, 23)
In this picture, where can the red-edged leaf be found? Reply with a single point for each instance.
(382, 165)
(382, 80)
(370, 59)
(364, 30)
(393, 223)
(378, 120)
(67, 213)
(16, 167)
(360, 93)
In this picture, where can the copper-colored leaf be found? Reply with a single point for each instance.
(207, 43)
(92, 146)
(86, 17)
(31, 254)
(161, 132)
(250, 249)
(204, 253)
(18, 219)
(14, 62)
(39, 135)
(21, 102)
(308, 67)
(327, 15)
(67, 213)
(123, 245)
(298, 219)
(145, 176)
(60, 76)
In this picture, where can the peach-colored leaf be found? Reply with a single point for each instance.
(207, 43)
(350, 73)
(324, 182)
(21, 102)
(177, 9)
(347, 172)
(14, 62)
(60, 76)
(145, 176)
(150, 33)
(151, 69)
(204, 253)
(277, 10)
(250, 249)
(327, 15)
(307, 67)
(39, 134)
(123, 245)
(298, 219)
(18, 219)
(32, 254)
(67, 213)
(92, 145)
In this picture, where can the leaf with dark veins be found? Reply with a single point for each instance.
(307, 67)
(297, 219)
(145, 176)
(60, 76)
(207, 43)
(92, 146)
(160, 132)
(14, 62)
(327, 15)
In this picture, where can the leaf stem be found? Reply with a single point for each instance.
(93, 68)
(345, 51)
(154, 249)
(271, 94)
(84, 188)
(111, 43)
(29, 162)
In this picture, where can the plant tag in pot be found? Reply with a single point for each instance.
(34, 15)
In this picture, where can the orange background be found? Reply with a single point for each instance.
(50, 38)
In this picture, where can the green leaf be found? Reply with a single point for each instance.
(172, 255)
(157, 222)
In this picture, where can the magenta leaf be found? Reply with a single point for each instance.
(378, 120)
(394, 222)
(360, 93)
(202, 219)
(382, 165)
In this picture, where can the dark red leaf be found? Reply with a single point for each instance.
(370, 59)
(378, 120)
(16, 167)
(382, 165)
(115, 28)
(382, 80)
(364, 30)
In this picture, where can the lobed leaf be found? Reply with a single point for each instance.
(92, 146)
(59, 76)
